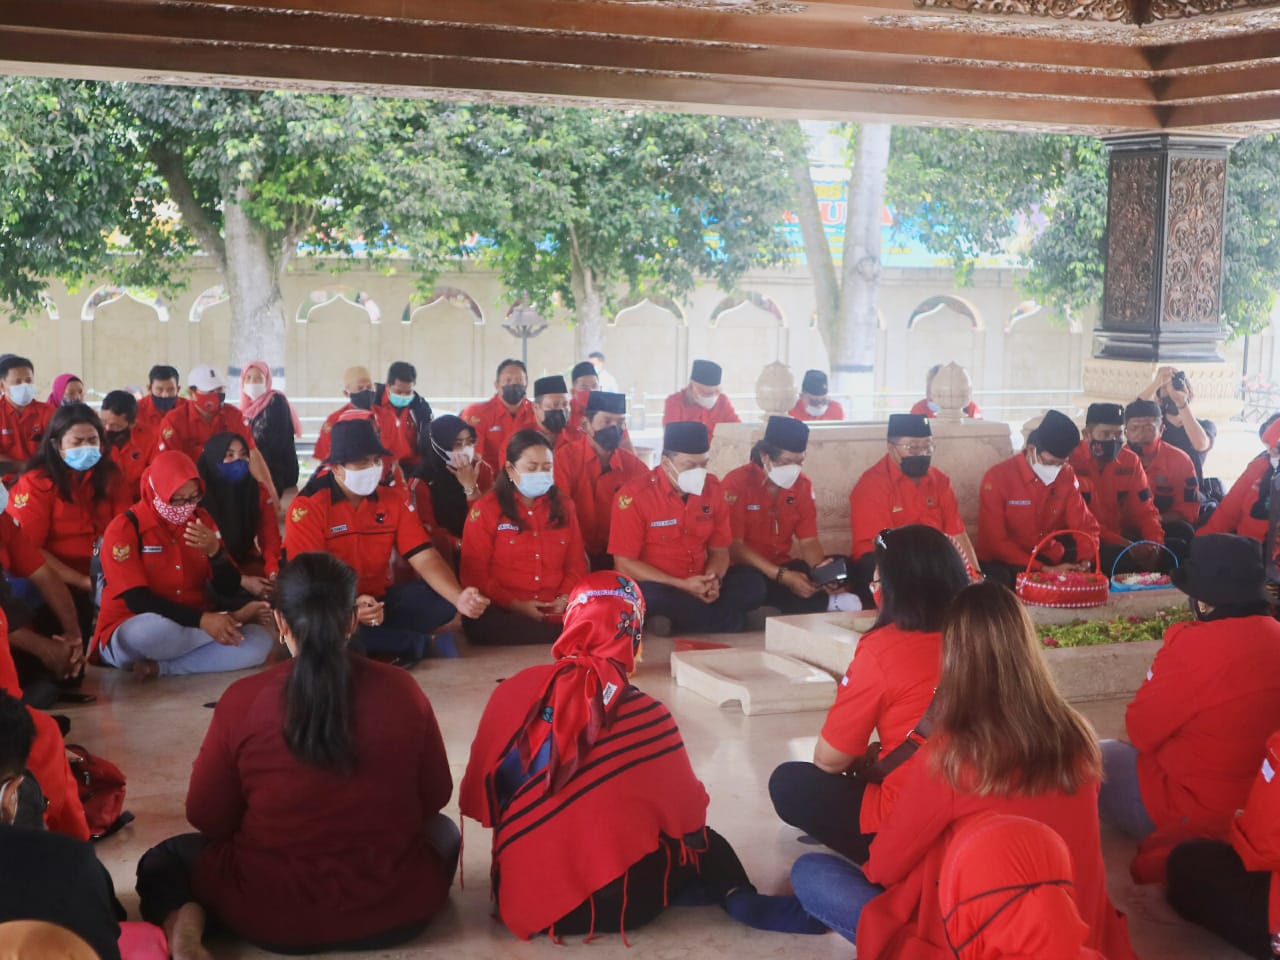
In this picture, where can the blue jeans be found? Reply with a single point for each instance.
(178, 649)
(832, 890)
(1120, 799)
(412, 612)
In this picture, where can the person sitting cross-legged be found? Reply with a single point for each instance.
(316, 793)
(670, 532)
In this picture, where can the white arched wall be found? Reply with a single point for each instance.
(124, 338)
(745, 337)
(937, 336)
(646, 349)
(335, 322)
(443, 340)
(1029, 340)
(41, 337)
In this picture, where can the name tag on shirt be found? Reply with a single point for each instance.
(153, 549)
(753, 506)
(1268, 771)
(508, 526)
(340, 528)
(496, 428)
(1018, 503)
(664, 523)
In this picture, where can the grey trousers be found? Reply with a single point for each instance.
(178, 649)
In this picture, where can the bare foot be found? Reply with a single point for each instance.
(185, 930)
(145, 669)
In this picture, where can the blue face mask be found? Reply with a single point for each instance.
(400, 400)
(534, 485)
(233, 471)
(82, 458)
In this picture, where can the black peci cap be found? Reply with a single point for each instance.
(584, 369)
(706, 373)
(686, 436)
(1108, 414)
(544, 385)
(908, 425)
(814, 383)
(1056, 435)
(787, 433)
(598, 401)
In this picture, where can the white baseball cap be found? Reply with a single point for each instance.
(206, 379)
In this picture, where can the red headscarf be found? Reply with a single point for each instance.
(168, 471)
(251, 408)
(595, 654)
(1007, 893)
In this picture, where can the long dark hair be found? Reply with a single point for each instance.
(233, 506)
(920, 571)
(448, 499)
(49, 456)
(506, 490)
(316, 595)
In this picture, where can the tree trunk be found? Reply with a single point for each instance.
(817, 252)
(861, 267)
(253, 288)
(588, 304)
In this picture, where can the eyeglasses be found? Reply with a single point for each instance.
(184, 501)
(915, 449)
(880, 539)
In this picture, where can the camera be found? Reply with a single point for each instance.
(1179, 381)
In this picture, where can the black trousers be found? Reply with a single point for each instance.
(776, 595)
(743, 589)
(655, 880)
(1178, 535)
(1209, 886)
(498, 626)
(164, 885)
(824, 805)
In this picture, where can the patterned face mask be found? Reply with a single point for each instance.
(170, 513)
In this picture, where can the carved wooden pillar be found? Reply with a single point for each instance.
(1165, 214)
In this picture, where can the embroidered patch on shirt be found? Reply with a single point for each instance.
(664, 523)
(20, 500)
(297, 513)
(120, 552)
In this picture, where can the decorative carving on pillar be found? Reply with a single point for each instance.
(1131, 243)
(1139, 12)
(1193, 256)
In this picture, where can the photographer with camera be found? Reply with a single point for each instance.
(1172, 390)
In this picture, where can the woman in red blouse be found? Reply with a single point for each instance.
(887, 689)
(1004, 742)
(159, 560)
(522, 548)
(67, 496)
(317, 796)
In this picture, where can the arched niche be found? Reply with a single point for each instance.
(324, 297)
(746, 331)
(1041, 352)
(1032, 309)
(335, 332)
(38, 336)
(124, 334)
(439, 335)
(933, 306)
(940, 329)
(645, 344)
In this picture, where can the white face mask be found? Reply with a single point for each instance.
(692, 481)
(363, 482)
(20, 394)
(463, 457)
(785, 476)
(1046, 473)
(815, 409)
(255, 391)
(707, 402)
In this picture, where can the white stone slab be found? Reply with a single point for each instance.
(762, 682)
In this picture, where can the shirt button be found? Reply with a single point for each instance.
(537, 556)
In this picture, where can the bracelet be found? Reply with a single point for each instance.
(777, 577)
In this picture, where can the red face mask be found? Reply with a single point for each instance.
(207, 403)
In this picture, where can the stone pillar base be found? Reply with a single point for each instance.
(1216, 385)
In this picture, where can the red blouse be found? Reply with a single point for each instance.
(68, 529)
(507, 563)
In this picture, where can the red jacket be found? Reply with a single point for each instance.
(678, 408)
(22, 429)
(184, 429)
(1118, 495)
(886, 498)
(656, 525)
(68, 529)
(1234, 512)
(1172, 476)
(922, 409)
(1255, 832)
(593, 487)
(905, 922)
(150, 416)
(133, 457)
(1017, 511)
(301, 856)
(506, 563)
(769, 522)
(834, 411)
(1201, 721)
(495, 425)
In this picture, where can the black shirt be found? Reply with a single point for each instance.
(1177, 436)
(273, 433)
(51, 877)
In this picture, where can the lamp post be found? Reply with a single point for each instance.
(524, 321)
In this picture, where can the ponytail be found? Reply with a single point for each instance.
(316, 595)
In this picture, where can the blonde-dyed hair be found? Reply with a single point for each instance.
(1001, 726)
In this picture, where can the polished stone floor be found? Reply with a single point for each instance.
(154, 730)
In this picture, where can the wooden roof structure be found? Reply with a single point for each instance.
(1087, 66)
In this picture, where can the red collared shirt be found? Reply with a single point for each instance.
(834, 411)
(530, 561)
(654, 523)
(678, 408)
(184, 429)
(67, 529)
(1118, 495)
(593, 487)
(767, 521)
(18, 555)
(22, 429)
(134, 456)
(155, 556)
(1017, 511)
(885, 498)
(1234, 513)
(495, 425)
(151, 416)
(362, 535)
(1172, 476)
(384, 422)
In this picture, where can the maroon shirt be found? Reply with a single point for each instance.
(299, 856)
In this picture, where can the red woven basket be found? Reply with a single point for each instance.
(1075, 590)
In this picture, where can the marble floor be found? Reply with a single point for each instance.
(153, 731)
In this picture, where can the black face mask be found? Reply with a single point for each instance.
(915, 467)
(164, 403)
(555, 420)
(362, 399)
(513, 393)
(1105, 450)
(608, 438)
(116, 438)
(1168, 407)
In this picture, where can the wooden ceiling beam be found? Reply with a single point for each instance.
(1217, 51)
(1219, 84)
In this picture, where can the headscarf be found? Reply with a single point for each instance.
(594, 656)
(168, 472)
(41, 940)
(252, 408)
(448, 499)
(1007, 892)
(60, 388)
(233, 506)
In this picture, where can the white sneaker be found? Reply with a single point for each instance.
(844, 603)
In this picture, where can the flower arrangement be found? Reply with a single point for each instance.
(1144, 579)
(1092, 633)
(1073, 579)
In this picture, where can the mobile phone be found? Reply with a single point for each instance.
(833, 571)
